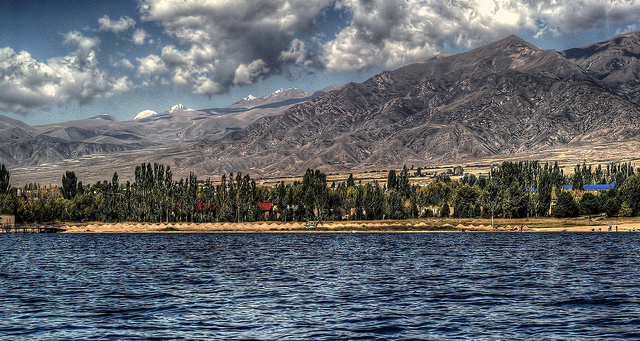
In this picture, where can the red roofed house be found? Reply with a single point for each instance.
(266, 208)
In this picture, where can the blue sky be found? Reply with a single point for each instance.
(71, 59)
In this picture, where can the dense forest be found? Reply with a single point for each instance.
(511, 190)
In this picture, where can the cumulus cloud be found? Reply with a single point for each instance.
(84, 48)
(222, 41)
(573, 16)
(27, 84)
(122, 63)
(207, 86)
(299, 54)
(139, 36)
(151, 65)
(117, 27)
(122, 85)
(247, 74)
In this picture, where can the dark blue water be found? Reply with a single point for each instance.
(437, 286)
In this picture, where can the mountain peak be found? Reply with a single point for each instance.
(105, 117)
(177, 108)
(277, 96)
(144, 114)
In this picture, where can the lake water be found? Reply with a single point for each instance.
(398, 286)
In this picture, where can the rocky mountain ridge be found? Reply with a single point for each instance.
(504, 98)
(278, 96)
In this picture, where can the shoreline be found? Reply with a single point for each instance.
(408, 226)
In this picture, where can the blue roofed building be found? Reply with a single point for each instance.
(595, 188)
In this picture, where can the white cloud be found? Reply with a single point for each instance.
(207, 86)
(219, 37)
(139, 36)
(117, 27)
(151, 65)
(629, 28)
(85, 48)
(574, 16)
(27, 84)
(247, 74)
(122, 63)
(297, 53)
(122, 85)
(188, 66)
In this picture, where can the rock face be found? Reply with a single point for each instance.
(616, 62)
(503, 98)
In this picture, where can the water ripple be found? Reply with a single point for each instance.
(513, 286)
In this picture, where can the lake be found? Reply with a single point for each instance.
(320, 286)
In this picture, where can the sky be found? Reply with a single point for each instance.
(72, 59)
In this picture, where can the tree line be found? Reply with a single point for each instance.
(510, 190)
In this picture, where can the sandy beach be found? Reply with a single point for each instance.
(412, 225)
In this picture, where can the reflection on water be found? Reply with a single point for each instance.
(320, 286)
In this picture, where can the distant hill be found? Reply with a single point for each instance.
(24, 145)
(503, 99)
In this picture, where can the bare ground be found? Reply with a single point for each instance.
(411, 225)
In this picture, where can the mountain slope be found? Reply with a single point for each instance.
(502, 98)
(616, 62)
(21, 144)
(45, 149)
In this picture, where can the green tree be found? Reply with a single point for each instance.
(391, 179)
(565, 206)
(350, 180)
(402, 183)
(445, 210)
(492, 198)
(589, 204)
(577, 180)
(69, 185)
(543, 193)
(464, 201)
(612, 206)
(5, 176)
(630, 194)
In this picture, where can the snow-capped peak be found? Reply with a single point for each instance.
(176, 108)
(279, 95)
(145, 114)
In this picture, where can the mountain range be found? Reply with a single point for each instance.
(505, 98)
